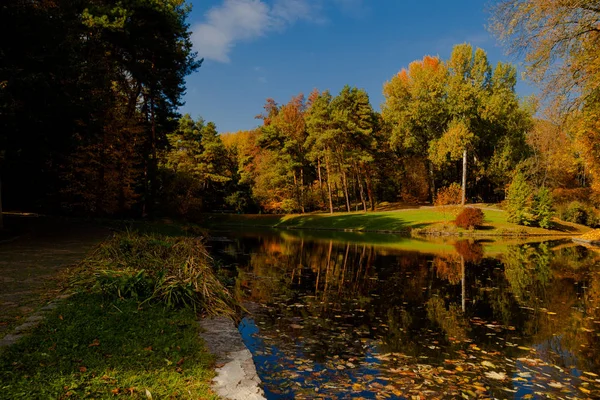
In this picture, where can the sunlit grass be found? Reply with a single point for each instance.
(426, 220)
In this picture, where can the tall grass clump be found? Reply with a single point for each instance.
(174, 270)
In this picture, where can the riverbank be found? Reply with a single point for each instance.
(418, 221)
(129, 329)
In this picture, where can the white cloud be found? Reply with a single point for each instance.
(243, 20)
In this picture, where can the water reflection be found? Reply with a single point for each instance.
(341, 319)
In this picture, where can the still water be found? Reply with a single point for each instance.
(356, 316)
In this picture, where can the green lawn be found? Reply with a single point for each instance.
(93, 347)
(422, 220)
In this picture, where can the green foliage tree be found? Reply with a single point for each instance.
(543, 208)
(353, 126)
(449, 109)
(519, 200)
(321, 138)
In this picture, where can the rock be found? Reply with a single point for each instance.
(10, 339)
(27, 326)
(236, 377)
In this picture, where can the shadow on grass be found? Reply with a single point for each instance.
(359, 222)
(556, 226)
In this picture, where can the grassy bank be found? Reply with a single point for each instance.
(129, 330)
(95, 347)
(425, 220)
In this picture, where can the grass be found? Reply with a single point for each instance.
(174, 270)
(94, 347)
(424, 220)
(129, 330)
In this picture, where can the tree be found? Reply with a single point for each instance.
(284, 131)
(415, 108)
(453, 144)
(86, 97)
(448, 110)
(353, 127)
(542, 208)
(518, 199)
(560, 41)
(321, 137)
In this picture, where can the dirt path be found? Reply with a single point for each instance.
(30, 263)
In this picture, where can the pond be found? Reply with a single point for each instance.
(380, 316)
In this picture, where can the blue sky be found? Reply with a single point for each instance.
(256, 49)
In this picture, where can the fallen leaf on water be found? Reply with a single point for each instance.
(500, 376)
(590, 374)
(488, 364)
(584, 390)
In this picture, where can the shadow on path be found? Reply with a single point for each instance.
(30, 262)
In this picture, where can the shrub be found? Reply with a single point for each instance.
(518, 201)
(543, 208)
(469, 218)
(579, 213)
(575, 212)
(174, 270)
(448, 195)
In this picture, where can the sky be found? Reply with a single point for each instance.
(259, 49)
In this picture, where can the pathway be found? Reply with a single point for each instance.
(30, 264)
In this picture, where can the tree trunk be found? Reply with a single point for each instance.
(370, 189)
(345, 185)
(302, 189)
(361, 189)
(329, 184)
(152, 161)
(462, 281)
(1, 217)
(464, 178)
(320, 181)
(431, 182)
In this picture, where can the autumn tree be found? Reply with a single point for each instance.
(449, 109)
(415, 108)
(87, 94)
(559, 40)
(285, 133)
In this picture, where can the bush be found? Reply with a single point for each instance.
(518, 201)
(174, 270)
(469, 218)
(579, 213)
(543, 208)
(448, 195)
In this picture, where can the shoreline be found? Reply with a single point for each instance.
(409, 232)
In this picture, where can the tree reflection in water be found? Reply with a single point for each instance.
(338, 316)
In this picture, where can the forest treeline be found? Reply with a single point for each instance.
(90, 92)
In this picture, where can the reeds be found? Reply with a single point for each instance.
(175, 270)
